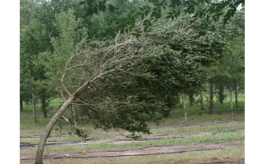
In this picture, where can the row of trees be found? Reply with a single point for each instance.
(125, 63)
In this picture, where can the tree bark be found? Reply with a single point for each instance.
(48, 129)
(21, 105)
(34, 107)
(184, 106)
(211, 98)
(231, 104)
(191, 99)
(44, 110)
(202, 105)
(236, 95)
(221, 94)
(74, 118)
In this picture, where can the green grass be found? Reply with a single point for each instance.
(194, 139)
(190, 140)
(213, 128)
(176, 158)
(203, 129)
(200, 118)
(193, 157)
(54, 103)
(28, 127)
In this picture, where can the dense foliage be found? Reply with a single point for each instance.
(172, 48)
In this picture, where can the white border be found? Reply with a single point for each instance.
(9, 83)
(255, 84)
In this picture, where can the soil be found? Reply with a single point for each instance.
(130, 152)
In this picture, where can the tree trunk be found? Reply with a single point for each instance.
(34, 107)
(211, 97)
(221, 94)
(191, 99)
(202, 105)
(231, 104)
(184, 106)
(48, 129)
(236, 95)
(44, 110)
(74, 118)
(21, 105)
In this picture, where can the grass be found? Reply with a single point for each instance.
(175, 158)
(28, 127)
(199, 118)
(194, 139)
(213, 128)
(193, 157)
(201, 128)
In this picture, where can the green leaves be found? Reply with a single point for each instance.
(81, 133)
(95, 6)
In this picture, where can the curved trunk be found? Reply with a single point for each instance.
(48, 130)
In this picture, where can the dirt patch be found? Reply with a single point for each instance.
(141, 151)
(116, 140)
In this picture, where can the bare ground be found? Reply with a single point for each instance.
(78, 156)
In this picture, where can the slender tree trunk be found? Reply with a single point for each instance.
(178, 102)
(236, 95)
(211, 98)
(202, 105)
(44, 107)
(191, 99)
(184, 106)
(221, 94)
(231, 99)
(74, 118)
(48, 129)
(34, 107)
(231, 104)
(21, 105)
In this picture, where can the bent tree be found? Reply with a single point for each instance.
(119, 82)
(85, 67)
(81, 71)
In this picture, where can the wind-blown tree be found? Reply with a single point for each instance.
(119, 82)
(79, 68)
(84, 70)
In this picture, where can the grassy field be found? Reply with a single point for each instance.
(205, 138)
